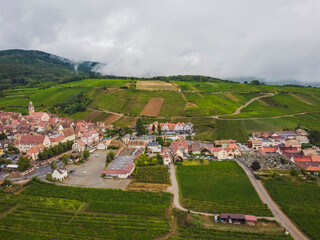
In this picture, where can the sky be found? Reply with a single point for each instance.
(274, 40)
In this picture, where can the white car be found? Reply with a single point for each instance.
(97, 155)
(84, 172)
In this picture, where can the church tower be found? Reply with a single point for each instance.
(31, 108)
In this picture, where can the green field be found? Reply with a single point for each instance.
(57, 212)
(204, 234)
(300, 201)
(197, 102)
(152, 174)
(219, 187)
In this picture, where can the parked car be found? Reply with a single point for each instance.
(71, 171)
(84, 172)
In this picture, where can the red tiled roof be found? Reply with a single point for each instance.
(250, 218)
(233, 145)
(36, 114)
(315, 158)
(32, 139)
(270, 149)
(67, 132)
(309, 166)
(36, 148)
(302, 159)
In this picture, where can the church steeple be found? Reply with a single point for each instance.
(31, 108)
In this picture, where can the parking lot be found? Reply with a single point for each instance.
(89, 173)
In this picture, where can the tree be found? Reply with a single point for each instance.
(3, 136)
(294, 173)
(23, 163)
(314, 137)
(142, 160)
(53, 165)
(159, 129)
(65, 159)
(153, 127)
(160, 140)
(86, 154)
(255, 165)
(111, 155)
(140, 128)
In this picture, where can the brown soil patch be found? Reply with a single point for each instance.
(229, 95)
(191, 105)
(155, 85)
(301, 99)
(109, 120)
(147, 187)
(92, 115)
(153, 107)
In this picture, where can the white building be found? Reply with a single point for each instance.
(60, 174)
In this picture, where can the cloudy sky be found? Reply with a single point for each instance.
(276, 40)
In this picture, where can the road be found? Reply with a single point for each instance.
(279, 215)
(250, 101)
(41, 172)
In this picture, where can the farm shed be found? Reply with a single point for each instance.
(233, 217)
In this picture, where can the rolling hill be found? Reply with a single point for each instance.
(22, 67)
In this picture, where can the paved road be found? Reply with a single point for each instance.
(279, 215)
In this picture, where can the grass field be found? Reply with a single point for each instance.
(219, 187)
(300, 201)
(124, 121)
(57, 212)
(152, 174)
(155, 85)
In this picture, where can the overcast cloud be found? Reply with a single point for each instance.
(275, 39)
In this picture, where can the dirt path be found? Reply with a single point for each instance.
(249, 102)
(300, 99)
(279, 215)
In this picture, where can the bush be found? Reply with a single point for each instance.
(49, 177)
(255, 165)
(294, 173)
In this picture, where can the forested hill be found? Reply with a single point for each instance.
(28, 68)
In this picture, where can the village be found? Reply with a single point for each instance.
(80, 153)
(43, 138)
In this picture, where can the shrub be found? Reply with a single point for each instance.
(255, 165)
(294, 173)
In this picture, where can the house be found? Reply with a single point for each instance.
(309, 166)
(255, 144)
(104, 144)
(293, 143)
(205, 151)
(137, 144)
(56, 138)
(120, 167)
(179, 150)
(302, 139)
(37, 116)
(154, 147)
(34, 151)
(195, 148)
(270, 150)
(78, 146)
(27, 141)
(68, 134)
(180, 127)
(219, 153)
(309, 152)
(287, 134)
(60, 174)
(301, 132)
(90, 137)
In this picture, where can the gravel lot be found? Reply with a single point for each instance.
(92, 178)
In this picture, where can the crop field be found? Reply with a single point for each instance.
(97, 116)
(202, 233)
(108, 83)
(152, 174)
(300, 201)
(211, 104)
(155, 85)
(280, 104)
(219, 187)
(124, 121)
(81, 115)
(134, 101)
(153, 107)
(58, 212)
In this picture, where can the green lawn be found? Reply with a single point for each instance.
(58, 212)
(219, 187)
(300, 201)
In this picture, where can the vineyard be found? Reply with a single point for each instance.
(58, 212)
(152, 174)
(201, 233)
(219, 187)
